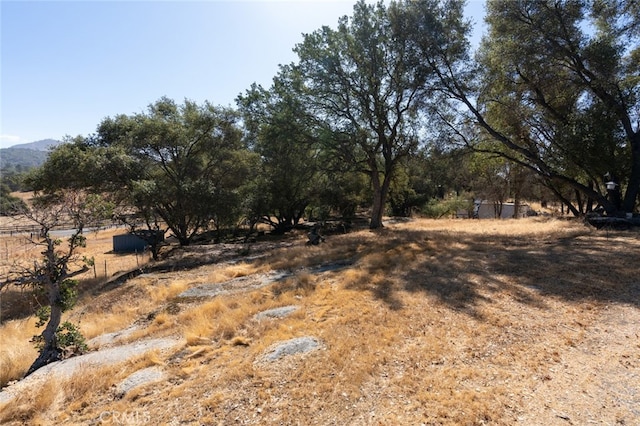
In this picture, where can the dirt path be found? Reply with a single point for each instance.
(597, 381)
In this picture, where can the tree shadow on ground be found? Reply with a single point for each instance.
(463, 270)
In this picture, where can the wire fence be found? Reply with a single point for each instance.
(19, 249)
(34, 230)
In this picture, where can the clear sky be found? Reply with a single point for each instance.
(66, 65)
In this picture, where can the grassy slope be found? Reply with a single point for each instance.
(436, 322)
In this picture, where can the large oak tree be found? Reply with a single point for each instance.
(189, 163)
(556, 88)
(284, 135)
(365, 88)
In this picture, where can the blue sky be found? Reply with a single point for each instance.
(66, 65)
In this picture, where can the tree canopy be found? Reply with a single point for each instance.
(364, 86)
(394, 93)
(555, 89)
(186, 163)
(283, 133)
(391, 108)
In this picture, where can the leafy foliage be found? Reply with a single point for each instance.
(284, 135)
(439, 208)
(9, 204)
(364, 86)
(553, 97)
(549, 104)
(68, 337)
(182, 164)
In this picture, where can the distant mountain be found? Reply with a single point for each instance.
(42, 145)
(27, 155)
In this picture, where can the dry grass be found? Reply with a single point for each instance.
(60, 401)
(18, 251)
(434, 322)
(16, 352)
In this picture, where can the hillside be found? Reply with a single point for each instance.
(26, 156)
(450, 322)
(41, 145)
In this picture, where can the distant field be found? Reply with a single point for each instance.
(452, 322)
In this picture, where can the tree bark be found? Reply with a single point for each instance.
(380, 192)
(633, 187)
(377, 211)
(50, 351)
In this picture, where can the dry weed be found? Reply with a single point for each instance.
(33, 407)
(434, 322)
(17, 352)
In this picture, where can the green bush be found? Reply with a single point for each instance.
(438, 208)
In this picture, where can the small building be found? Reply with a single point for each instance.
(128, 243)
(136, 241)
(483, 209)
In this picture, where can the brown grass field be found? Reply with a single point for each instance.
(447, 322)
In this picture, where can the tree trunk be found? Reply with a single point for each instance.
(377, 211)
(183, 240)
(50, 351)
(497, 209)
(517, 186)
(563, 201)
(380, 192)
(633, 187)
(589, 207)
(579, 202)
(155, 251)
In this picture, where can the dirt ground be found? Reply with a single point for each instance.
(533, 322)
(596, 381)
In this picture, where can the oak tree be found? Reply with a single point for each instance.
(185, 164)
(364, 87)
